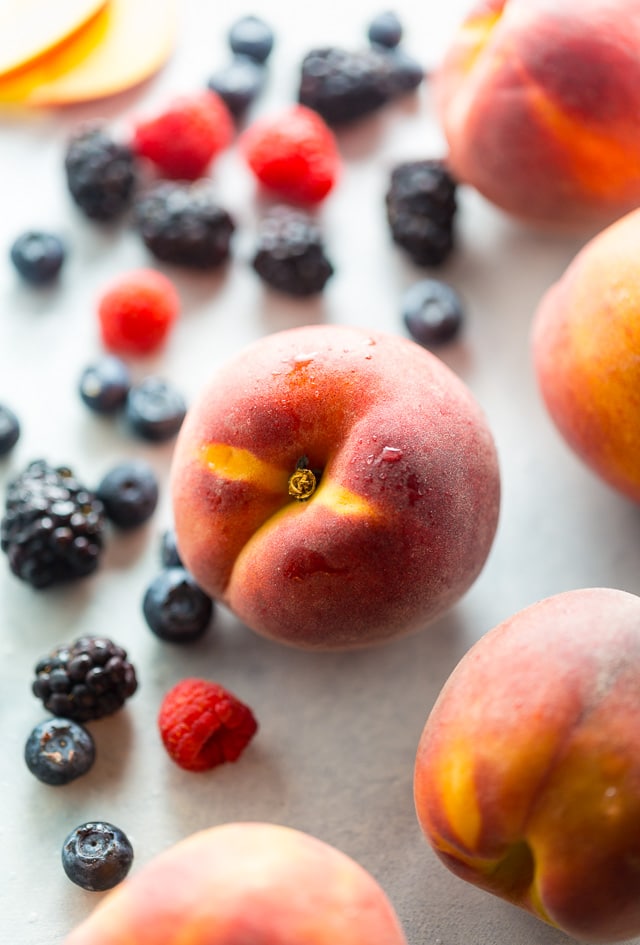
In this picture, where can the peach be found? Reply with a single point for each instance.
(527, 774)
(585, 344)
(538, 101)
(391, 517)
(245, 882)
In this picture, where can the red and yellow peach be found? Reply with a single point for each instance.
(407, 497)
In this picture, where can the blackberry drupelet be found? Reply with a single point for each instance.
(290, 253)
(53, 526)
(85, 680)
(184, 224)
(421, 206)
(343, 85)
(101, 172)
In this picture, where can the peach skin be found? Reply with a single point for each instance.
(527, 774)
(539, 101)
(586, 353)
(335, 487)
(245, 882)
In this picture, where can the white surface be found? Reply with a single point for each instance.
(338, 733)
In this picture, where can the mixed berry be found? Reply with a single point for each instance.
(160, 180)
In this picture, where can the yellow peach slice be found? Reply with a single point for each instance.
(114, 51)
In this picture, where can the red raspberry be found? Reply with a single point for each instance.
(137, 312)
(294, 154)
(183, 140)
(202, 725)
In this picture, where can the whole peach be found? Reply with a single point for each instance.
(527, 775)
(586, 352)
(335, 487)
(539, 101)
(245, 882)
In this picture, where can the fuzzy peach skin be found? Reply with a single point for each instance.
(407, 504)
(242, 883)
(527, 774)
(586, 351)
(539, 103)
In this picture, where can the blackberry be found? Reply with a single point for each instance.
(97, 856)
(155, 409)
(184, 224)
(432, 312)
(238, 84)
(38, 256)
(175, 608)
(9, 429)
(101, 172)
(53, 526)
(421, 206)
(342, 85)
(250, 36)
(59, 751)
(85, 680)
(129, 493)
(290, 253)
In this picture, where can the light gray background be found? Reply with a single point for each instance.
(338, 733)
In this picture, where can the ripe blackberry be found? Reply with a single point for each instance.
(343, 85)
(53, 526)
(421, 207)
(101, 172)
(85, 680)
(290, 253)
(184, 224)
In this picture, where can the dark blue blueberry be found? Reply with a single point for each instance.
(129, 493)
(169, 554)
(432, 312)
(59, 751)
(406, 72)
(97, 856)
(155, 409)
(385, 29)
(238, 84)
(9, 430)
(250, 36)
(38, 256)
(175, 608)
(104, 385)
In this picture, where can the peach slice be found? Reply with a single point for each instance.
(30, 28)
(114, 51)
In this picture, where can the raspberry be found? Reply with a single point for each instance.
(183, 140)
(202, 725)
(137, 312)
(294, 154)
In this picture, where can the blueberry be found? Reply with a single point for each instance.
(129, 493)
(406, 72)
(38, 256)
(59, 751)
(104, 385)
(385, 29)
(432, 312)
(250, 36)
(155, 409)
(9, 430)
(169, 554)
(96, 856)
(175, 608)
(238, 84)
